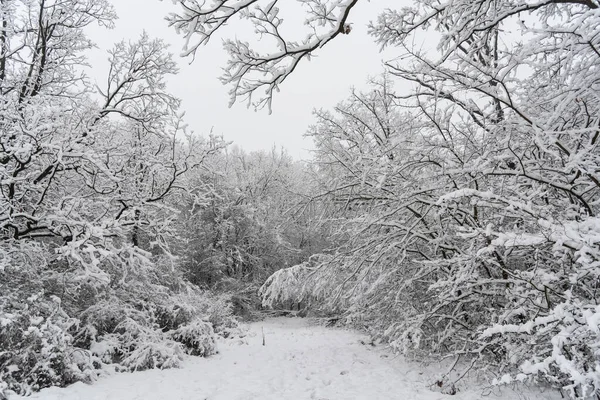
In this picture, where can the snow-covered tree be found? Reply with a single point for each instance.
(88, 175)
(252, 221)
(470, 200)
(249, 69)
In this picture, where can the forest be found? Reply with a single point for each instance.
(449, 211)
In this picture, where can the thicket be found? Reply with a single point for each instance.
(126, 242)
(93, 179)
(464, 185)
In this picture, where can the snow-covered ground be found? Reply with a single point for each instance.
(300, 360)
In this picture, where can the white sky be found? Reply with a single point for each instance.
(346, 62)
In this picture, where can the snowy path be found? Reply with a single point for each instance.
(299, 361)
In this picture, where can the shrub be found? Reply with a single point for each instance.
(37, 349)
(51, 340)
(197, 338)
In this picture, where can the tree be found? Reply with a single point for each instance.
(470, 200)
(88, 175)
(252, 221)
(249, 70)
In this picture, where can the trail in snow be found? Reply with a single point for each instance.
(299, 361)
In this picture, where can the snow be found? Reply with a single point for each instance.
(300, 360)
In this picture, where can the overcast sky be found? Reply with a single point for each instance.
(346, 62)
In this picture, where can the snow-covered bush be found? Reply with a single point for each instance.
(215, 309)
(174, 312)
(36, 348)
(117, 333)
(42, 345)
(141, 347)
(36, 345)
(154, 354)
(197, 337)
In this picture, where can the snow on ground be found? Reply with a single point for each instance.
(300, 360)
